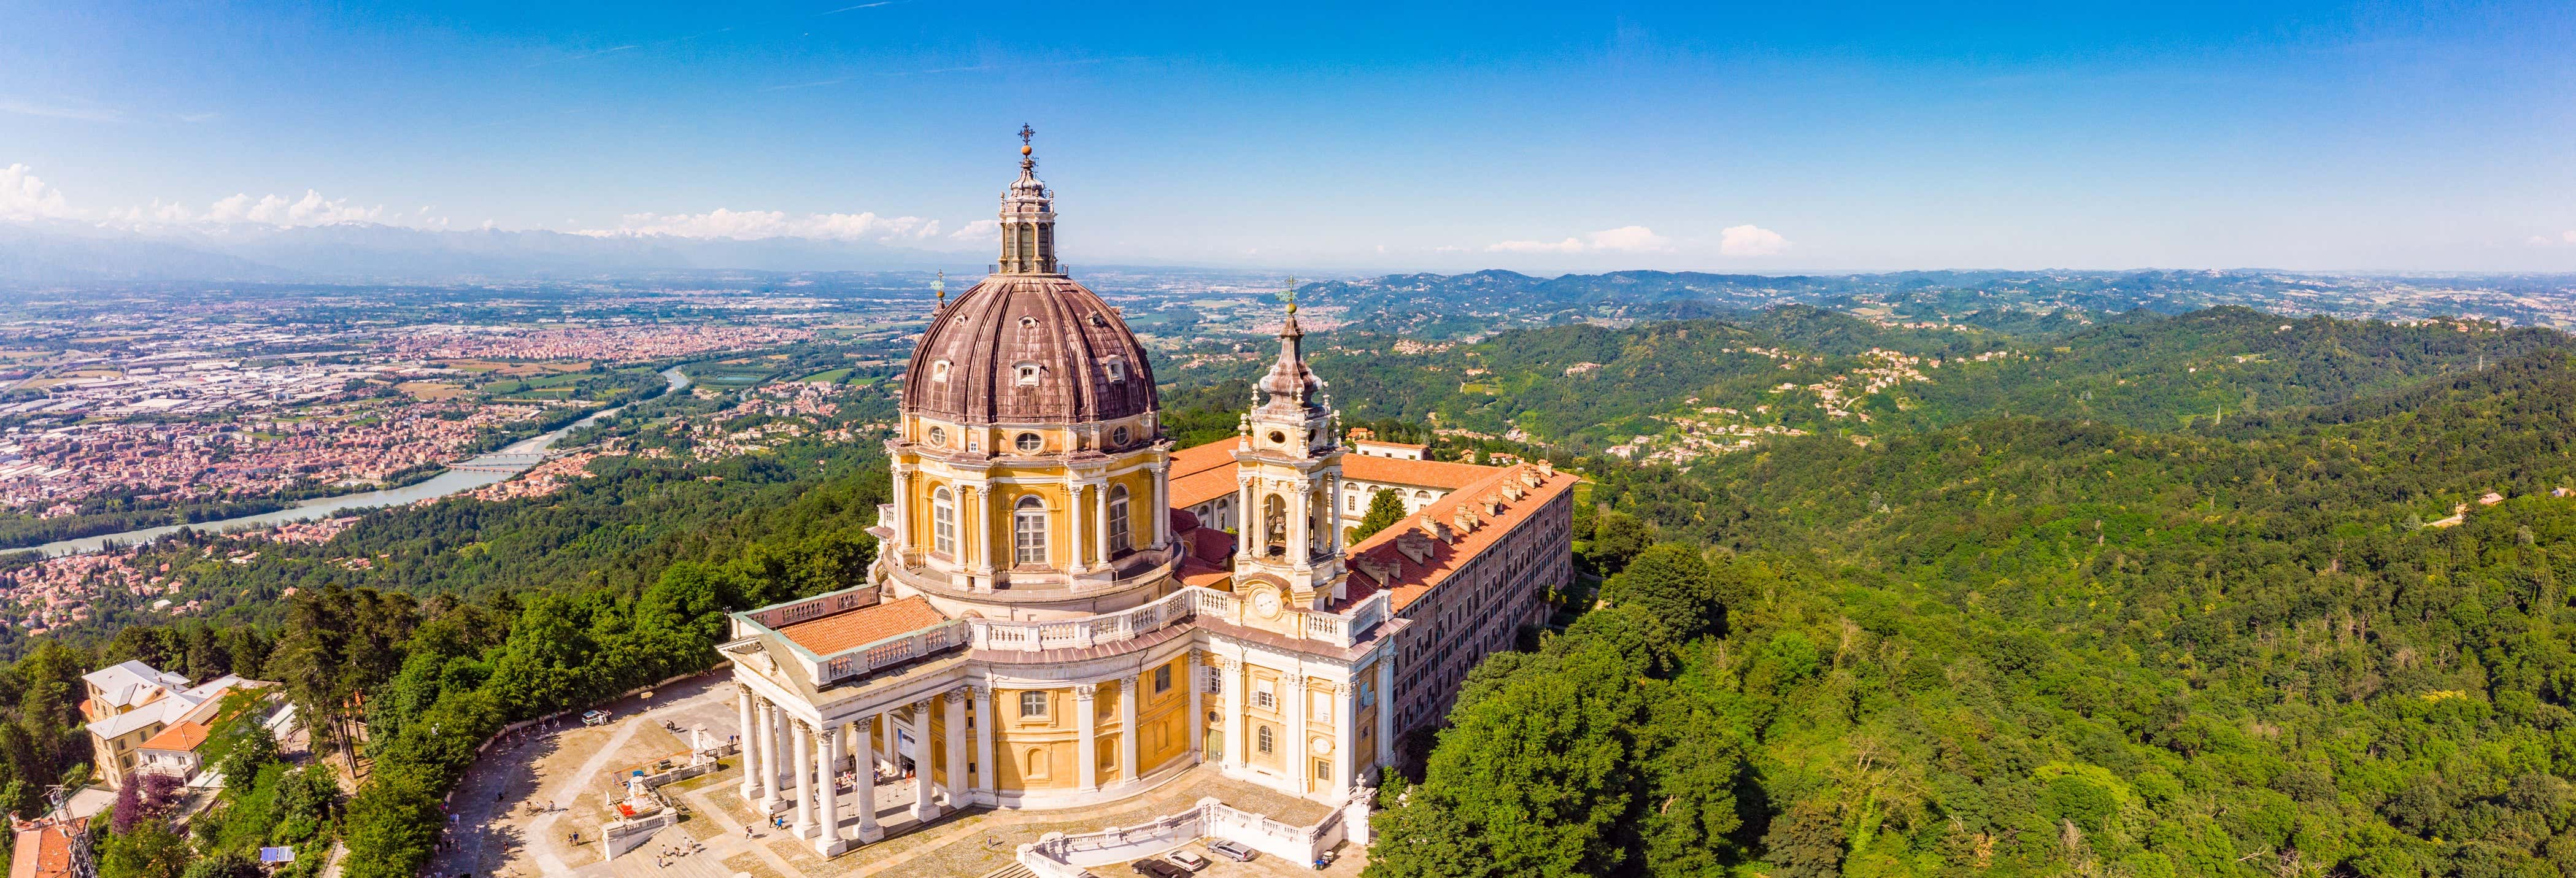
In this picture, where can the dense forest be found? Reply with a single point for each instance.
(2063, 645)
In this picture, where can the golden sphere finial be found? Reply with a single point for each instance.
(1025, 150)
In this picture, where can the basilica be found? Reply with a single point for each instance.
(1067, 610)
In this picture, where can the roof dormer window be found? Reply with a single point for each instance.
(1117, 367)
(1026, 374)
(939, 371)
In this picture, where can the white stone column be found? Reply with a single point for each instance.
(1297, 764)
(780, 775)
(1130, 691)
(865, 744)
(750, 777)
(902, 512)
(1087, 746)
(983, 526)
(989, 773)
(1196, 728)
(827, 840)
(1247, 528)
(1333, 505)
(959, 790)
(924, 808)
(1385, 750)
(804, 766)
(763, 739)
(1301, 537)
(1232, 668)
(1074, 514)
(1346, 704)
(1160, 518)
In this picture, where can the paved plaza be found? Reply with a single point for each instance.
(517, 812)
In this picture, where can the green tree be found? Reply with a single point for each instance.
(1616, 538)
(1672, 582)
(1807, 841)
(1385, 508)
(392, 828)
(150, 850)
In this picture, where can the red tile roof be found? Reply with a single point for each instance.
(1201, 473)
(863, 626)
(184, 736)
(1411, 578)
(42, 852)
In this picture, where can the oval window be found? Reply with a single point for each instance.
(939, 437)
(1118, 436)
(1029, 443)
(1278, 438)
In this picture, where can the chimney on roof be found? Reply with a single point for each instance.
(1465, 518)
(1547, 468)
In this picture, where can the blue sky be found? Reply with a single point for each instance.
(1569, 136)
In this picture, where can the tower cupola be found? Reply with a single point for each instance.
(1028, 218)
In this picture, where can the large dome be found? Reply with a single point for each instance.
(1028, 349)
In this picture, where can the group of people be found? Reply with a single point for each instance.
(663, 858)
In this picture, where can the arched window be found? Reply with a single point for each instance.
(1269, 742)
(943, 522)
(1118, 533)
(1274, 524)
(1422, 496)
(1029, 532)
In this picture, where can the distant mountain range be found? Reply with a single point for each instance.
(352, 252)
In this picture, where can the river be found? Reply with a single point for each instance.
(487, 469)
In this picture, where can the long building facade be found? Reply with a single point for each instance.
(1048, 626)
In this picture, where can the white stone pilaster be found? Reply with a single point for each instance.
(1385, 749)
(1232, 668)
(1299, 763)
(1345, 708)
(1087, 745)
(1196, 728)
(1130, 691)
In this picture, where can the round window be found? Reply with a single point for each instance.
(1029, 443)
(1278, 438)
(1118, 436)
(939, 436)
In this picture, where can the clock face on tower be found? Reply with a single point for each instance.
(1265, 602)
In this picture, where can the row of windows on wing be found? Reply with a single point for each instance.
(1026, 443)
(1028, 525)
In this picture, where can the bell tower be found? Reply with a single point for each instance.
(1288, 470)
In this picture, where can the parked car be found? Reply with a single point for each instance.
(1159, 869)
(595, 717)
(1325, 859)
(1230, 850)
(1187, 860)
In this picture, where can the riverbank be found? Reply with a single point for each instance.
(475, 473)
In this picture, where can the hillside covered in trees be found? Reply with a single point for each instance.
(2066, 641)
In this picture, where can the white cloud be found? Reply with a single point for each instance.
(747, 225)
(1624, 239)
(2563, 239)
(53, 111)
(2570, 236)
(1750, 240)
(310, 210)
(978, 231)
(24, 196)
